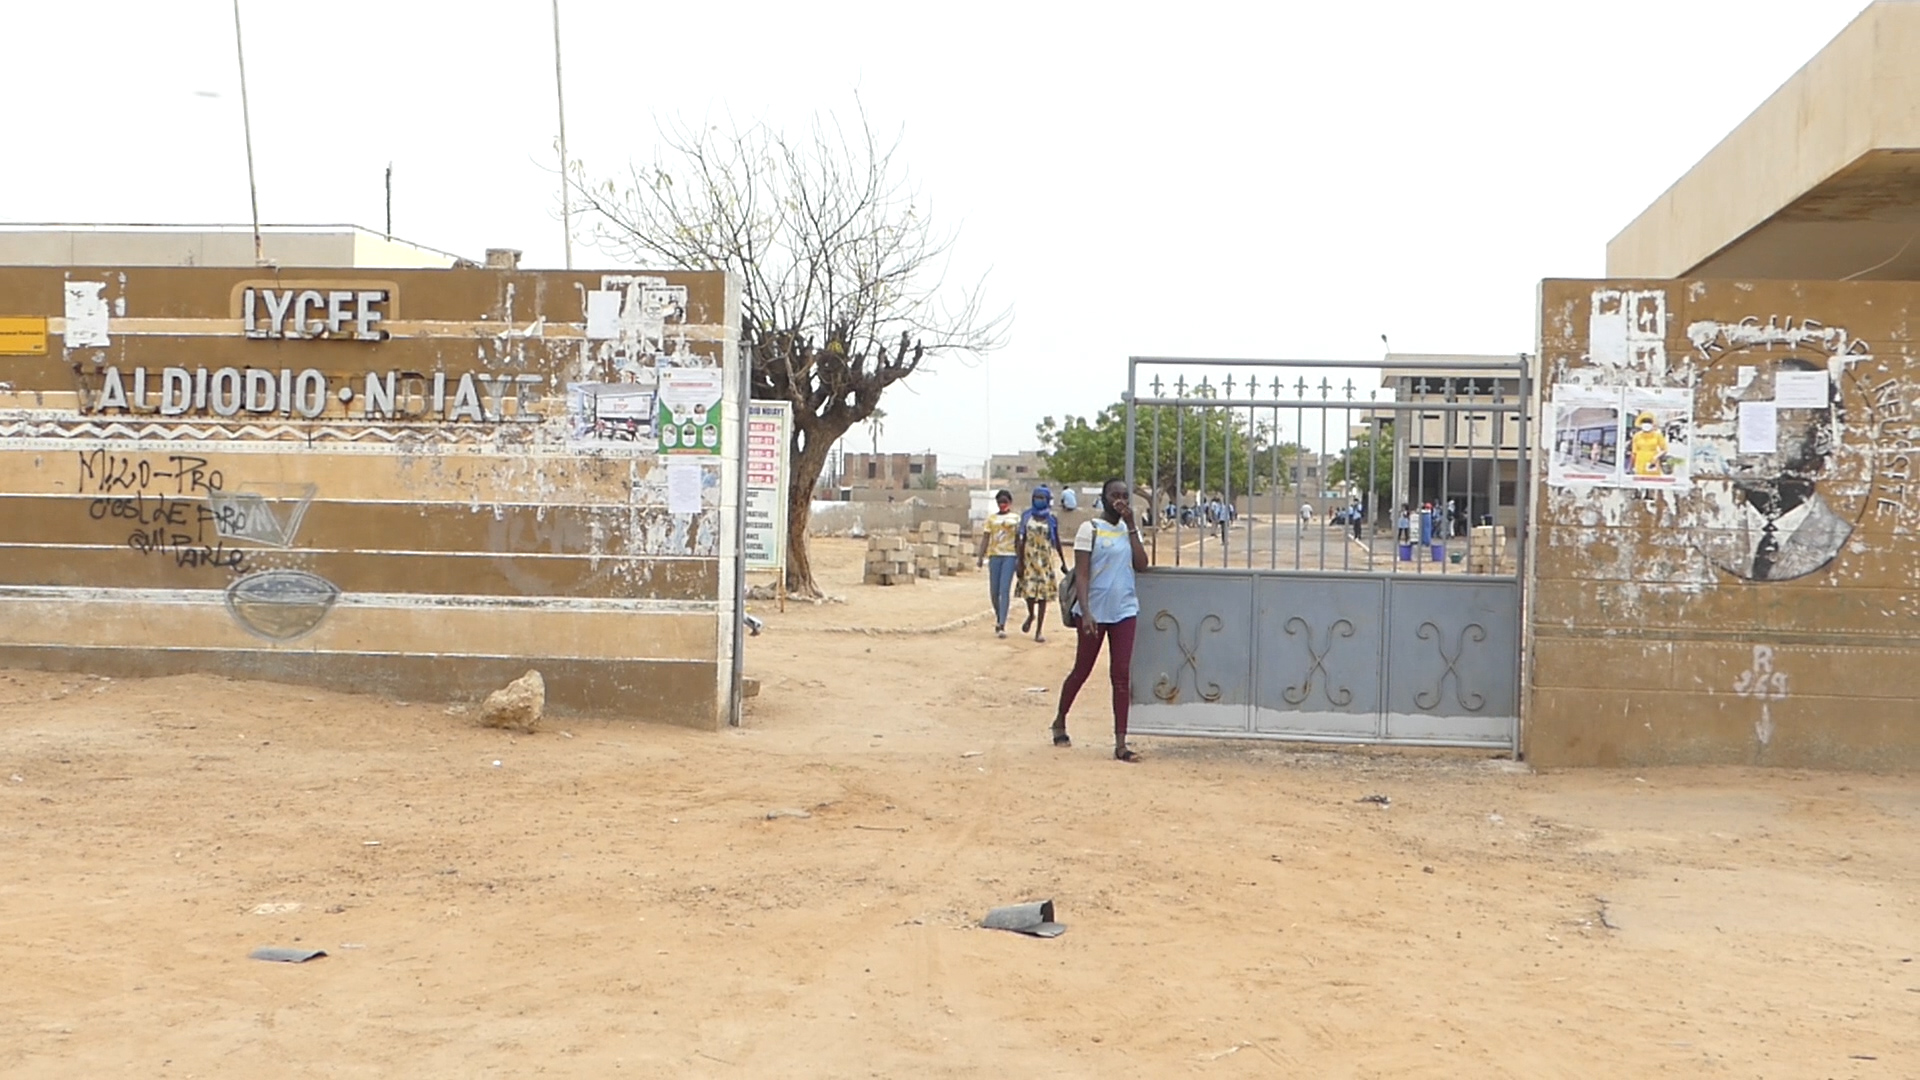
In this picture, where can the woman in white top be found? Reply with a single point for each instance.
(1106, 556)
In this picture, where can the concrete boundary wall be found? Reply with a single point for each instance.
(415, 482)
(1745, 586)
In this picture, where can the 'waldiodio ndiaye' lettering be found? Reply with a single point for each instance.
(401, 395)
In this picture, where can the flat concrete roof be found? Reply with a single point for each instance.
(65, 244)
(1821, 182)
(1448, 366)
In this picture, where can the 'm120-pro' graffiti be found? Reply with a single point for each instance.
(165, 505)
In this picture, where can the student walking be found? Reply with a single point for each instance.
(1106, 556)
(1039, 573)
(999, 542)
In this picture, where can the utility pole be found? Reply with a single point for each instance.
(560, 98)
(389, 200)
(246, 124)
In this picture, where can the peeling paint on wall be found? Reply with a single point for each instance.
(1627, 331)
(1796, 546)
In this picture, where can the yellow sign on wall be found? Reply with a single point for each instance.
(25, 336)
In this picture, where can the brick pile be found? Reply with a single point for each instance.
(890, 561)
(938, 549)
(1487, 550)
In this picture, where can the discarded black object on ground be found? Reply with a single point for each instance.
(282, 955)
(1035, 919)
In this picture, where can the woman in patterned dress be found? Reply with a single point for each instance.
(1038, 571)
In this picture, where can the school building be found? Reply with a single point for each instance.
(1471, 458)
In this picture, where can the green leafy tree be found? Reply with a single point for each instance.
(1367, 465)
(1167, 458)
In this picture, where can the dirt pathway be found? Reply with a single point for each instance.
(613, 900)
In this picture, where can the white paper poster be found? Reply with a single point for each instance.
(683, 487)
(603, 314)
(1759, 427)
(86, 312)
(1585, 436)
(1800, 390)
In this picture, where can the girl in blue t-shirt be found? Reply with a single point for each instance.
(1106, 556)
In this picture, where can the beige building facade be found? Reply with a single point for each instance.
(1028, 467)
(1471, 458)
(890, 472)
(1817, 184)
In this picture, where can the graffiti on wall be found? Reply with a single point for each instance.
(179, 507)
(264, 514)
(1785, 475)
(163, 504)
(280, 604)
(1762, 683)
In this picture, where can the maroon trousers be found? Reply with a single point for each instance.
(1119, 639)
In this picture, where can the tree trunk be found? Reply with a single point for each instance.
(807, 465)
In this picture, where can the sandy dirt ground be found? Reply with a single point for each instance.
(606, 899)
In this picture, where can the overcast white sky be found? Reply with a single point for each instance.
(1282, 179)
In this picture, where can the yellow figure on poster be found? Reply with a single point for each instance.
(1648, 447)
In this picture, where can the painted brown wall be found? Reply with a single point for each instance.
(1669, 626)
(424, 557)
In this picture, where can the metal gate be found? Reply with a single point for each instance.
(1336, 548)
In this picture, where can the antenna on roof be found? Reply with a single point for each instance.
(560, 99)
(246, 124)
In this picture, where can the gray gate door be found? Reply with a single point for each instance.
(1332, 561)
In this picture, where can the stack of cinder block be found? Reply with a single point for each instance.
(1487, 550)
(890, 561)
(939, 549)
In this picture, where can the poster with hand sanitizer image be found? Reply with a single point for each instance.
(690, 409)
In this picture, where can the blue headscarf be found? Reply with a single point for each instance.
(1041, 511)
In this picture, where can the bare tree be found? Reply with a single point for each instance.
(842, 273)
